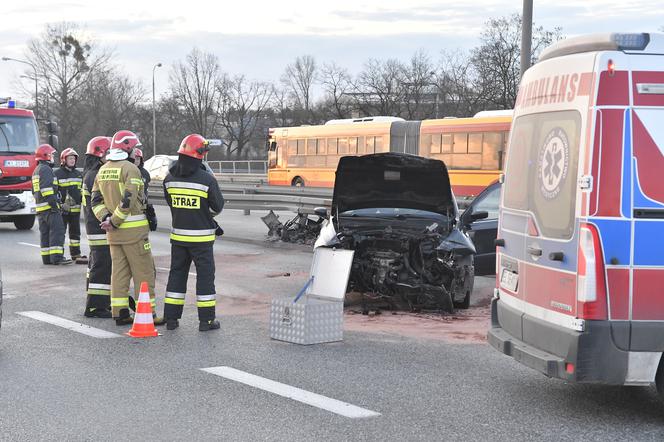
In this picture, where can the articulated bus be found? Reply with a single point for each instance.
(472, 148)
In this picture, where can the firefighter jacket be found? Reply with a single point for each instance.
(117, 194)
(96, 235)
(194, 198)
(70, 183)
(45, 188)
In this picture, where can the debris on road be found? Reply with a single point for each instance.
(300, 229)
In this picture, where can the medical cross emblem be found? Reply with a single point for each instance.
(553, 163)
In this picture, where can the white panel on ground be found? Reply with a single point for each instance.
(70, 325)
(297, 394)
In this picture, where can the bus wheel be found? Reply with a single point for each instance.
(24, 222)
(297, 182)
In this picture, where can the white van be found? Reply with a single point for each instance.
(580, 248)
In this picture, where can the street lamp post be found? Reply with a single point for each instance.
(154, 119)
(526, 35)
(36, 83)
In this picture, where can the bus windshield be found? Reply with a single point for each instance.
(18, 134)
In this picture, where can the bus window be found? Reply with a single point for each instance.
(435, 143)
(292, 147)
(331, 146)
(352, 145)
(378, 147)
(425, 143)
(360, 146)
(370, 145)
(321, 146)
(343, 146)
(460, 143)
(475, 143)
(300, 147)
(492, 147)
(447, 143)
(311, 146)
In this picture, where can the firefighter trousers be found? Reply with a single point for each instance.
(52, 236)
(130, 261)
(181, 259)
(72, 222)
(99, 278)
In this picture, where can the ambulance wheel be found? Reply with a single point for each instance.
(297, 182)
(24, 222)
(659, 379)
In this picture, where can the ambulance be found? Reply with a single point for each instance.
(580, 250)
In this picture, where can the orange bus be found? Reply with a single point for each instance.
(472, 148)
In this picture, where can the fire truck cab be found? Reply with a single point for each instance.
(19, 138)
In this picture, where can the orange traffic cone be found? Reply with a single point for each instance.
(143, 326)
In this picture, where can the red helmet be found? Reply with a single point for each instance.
(137, 153)
(98, 146)
(44, 153)
(67, 152)
(194, 146)
(125, 140)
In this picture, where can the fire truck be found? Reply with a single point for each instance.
(19, 138)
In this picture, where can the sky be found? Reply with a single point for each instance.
(258, 38)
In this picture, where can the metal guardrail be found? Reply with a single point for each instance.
(239, 167)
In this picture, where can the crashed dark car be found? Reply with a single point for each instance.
(399, 215)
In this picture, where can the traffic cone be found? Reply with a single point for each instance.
(143, 326)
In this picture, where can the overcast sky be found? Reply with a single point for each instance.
(258, 38)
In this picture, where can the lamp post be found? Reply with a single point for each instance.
(526, 35)
(36, 83)
(154, 119)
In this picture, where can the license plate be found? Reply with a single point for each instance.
(509, 280)
(17, 163)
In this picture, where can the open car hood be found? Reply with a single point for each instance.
(392, 180)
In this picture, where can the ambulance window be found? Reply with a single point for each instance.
(541, 171)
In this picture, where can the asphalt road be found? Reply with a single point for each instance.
(57, 384)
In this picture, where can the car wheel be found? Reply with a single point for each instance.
(465, 303)
(659, 379)
(24, 222)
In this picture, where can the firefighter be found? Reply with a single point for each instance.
(137, 157)
(195, 199)
(70, 182)
(98, 286)
(45, 190)
(118, 203)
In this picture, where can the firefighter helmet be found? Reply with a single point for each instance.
(194, 146)
(98, 146)
(44, 153)
(137, 153)
(125, 140)
(67, 152)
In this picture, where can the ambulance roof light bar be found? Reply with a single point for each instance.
(597, 42)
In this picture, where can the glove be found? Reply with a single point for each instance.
(151, 215)
(218, 230)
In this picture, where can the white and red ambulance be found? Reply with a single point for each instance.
(580, 248)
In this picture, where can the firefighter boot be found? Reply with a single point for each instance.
(172, 324)
(97, 313)
(62, 262)
(125, 318)
(212, 324)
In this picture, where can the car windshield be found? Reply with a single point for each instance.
(392, 212)
(18, 134)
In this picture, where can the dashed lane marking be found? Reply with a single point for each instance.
(70, 325)
(297, 394)
(30, 245)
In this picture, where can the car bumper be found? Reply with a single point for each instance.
(588, 356)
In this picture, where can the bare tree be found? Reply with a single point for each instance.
(336, 82)
(64, 60)
(242, 106)
(379, 88)
(195, 83)
(419, 85)
(298, 80)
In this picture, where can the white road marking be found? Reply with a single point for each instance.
(30, 245)
(70, 325)
(315, 400)
(168, 270)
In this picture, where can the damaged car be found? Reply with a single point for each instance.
(399, 215)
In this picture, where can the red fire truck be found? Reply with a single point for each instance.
(19, 138)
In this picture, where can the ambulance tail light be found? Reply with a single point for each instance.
(591, 282)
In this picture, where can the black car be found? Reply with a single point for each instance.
(398, 213)
(483, 232)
